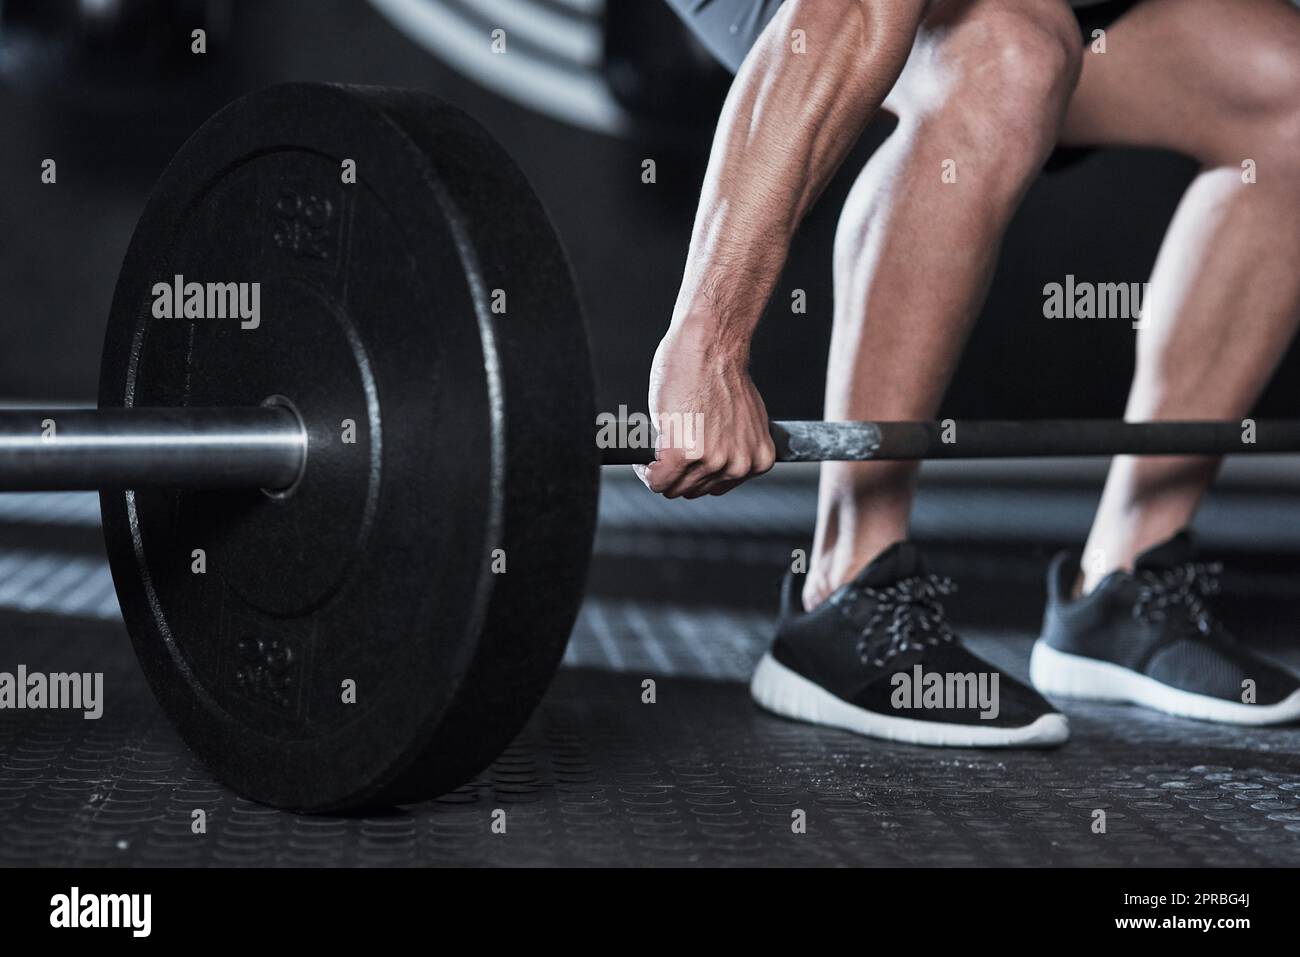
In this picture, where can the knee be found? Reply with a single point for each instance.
(1022, 70)
(1261, 115)
(1007, 77)
(1278, 75)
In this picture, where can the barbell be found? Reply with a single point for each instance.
(350, 534)
(266, 446)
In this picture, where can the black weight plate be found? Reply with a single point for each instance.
(473, 433)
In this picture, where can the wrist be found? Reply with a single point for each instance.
(715, 337)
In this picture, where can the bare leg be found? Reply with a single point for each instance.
(981, 99)
(1224, 299)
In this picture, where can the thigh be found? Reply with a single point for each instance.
(951, 28)
(1207, 78)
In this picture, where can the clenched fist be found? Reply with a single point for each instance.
(713, 431)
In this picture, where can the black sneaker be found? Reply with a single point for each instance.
(1149, 638)
(878, 658)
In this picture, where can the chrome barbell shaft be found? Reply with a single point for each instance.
(61, 449)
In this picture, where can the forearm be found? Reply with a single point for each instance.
(792, 115)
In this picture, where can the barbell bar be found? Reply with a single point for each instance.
(90, 449)
(267, 446)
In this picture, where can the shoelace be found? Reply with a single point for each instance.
(910, 614)
(1182, 589)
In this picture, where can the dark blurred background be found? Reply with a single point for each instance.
(586, 91)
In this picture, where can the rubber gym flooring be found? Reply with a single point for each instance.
(683, 593)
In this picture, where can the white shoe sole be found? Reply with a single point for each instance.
(1060, 674)
(787, 693)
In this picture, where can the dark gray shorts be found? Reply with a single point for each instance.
(728, 28)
